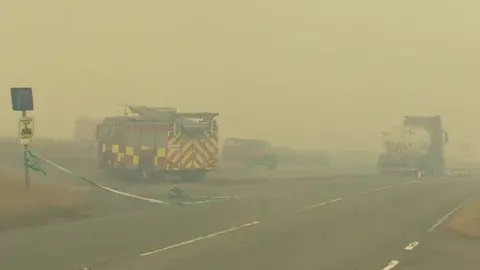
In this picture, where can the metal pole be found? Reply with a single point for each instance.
(25, 153)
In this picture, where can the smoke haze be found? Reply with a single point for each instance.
(321, 74)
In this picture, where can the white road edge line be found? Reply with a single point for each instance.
(440, 221)
(391, 265)
(412, 245)
(118, 192)
(319, 204)
(377, 189)
(411, 182)
(201, 238)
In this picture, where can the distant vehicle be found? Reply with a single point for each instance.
(416, 146)
(249, 152)
(84, 129)
(159, 141)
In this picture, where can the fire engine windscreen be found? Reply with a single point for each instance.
(194, 128)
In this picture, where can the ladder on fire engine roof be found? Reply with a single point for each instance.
(207, 116)
(170, 113)
(153, 113)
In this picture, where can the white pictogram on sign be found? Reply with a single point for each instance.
(26, 129)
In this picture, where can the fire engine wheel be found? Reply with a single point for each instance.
(103, 163)
(109, 169)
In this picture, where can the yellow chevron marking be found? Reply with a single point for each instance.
(187, 149)
(193, 164)
(210, 147)
(213, 149)
(174, 153)
(187, 144)
(174, 140)
(187, 158)
(196, 164)
(175, 157)
(201, 155)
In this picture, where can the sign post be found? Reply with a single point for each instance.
(22, 100)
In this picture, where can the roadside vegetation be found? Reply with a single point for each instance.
(43, 203)
(467, 220)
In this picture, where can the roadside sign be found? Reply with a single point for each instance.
(26, 129)
(22, 98)
(174, 147)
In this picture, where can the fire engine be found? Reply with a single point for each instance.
(159, 141)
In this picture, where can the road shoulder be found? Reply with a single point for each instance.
(445, 250)
(466, 222)
(453, 244)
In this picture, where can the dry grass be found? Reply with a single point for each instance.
(43, 203)
(467, 220)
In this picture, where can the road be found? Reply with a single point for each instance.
(336, 224)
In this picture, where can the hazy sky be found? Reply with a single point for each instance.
(299, 73)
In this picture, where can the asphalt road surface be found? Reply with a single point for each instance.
(347, 224)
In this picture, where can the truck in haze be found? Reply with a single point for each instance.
(249, 153)
(418, 145)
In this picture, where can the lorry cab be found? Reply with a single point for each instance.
(249, 152)
(418, 148)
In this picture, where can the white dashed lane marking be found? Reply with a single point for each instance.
(411, 182)
(319, 205)
(229, 230)
(376, 190)
(201, 238)
(412, 245)
(391, 265)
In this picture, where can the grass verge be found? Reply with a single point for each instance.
(466, 221)
(43, 203)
